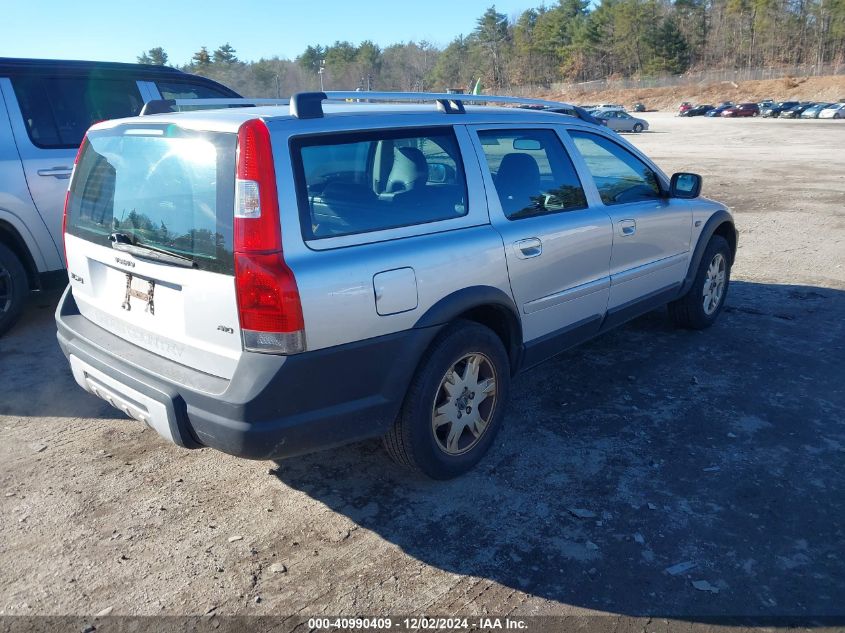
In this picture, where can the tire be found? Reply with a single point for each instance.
(422, 436)
(14, 288)
(690, 311)
(638, 128)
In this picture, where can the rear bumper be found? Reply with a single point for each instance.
(273, 406)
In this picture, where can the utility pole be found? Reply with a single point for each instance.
(320, 72)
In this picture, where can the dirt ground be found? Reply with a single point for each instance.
(628, 471)
(831, 88)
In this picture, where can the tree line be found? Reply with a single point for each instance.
(569, 41)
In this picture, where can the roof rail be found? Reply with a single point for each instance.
(159, 106)
(309, 105)
(448, 103)
(438, 97)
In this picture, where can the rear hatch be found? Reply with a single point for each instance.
(149, 241)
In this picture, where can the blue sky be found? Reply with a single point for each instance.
(121, 29)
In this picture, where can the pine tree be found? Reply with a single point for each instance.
(201, 58)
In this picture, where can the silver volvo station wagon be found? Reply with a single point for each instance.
(269, 281)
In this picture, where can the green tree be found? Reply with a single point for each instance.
(369, 59)
(490, 43)
(668, 47)
(201, 58)
(225, 55)
(452, 68)
(312, 58)
(154, 57)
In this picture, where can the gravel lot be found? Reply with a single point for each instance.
(629, 470)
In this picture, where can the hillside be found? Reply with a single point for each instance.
(830, 88)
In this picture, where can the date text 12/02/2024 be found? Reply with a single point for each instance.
(421, 623)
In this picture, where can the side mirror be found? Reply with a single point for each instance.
(685, 185)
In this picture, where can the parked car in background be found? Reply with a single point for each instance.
(569, 110)
(835, 111)
(699, 110)
(45, 108)
(686, 105)
(775, 109)
(717, 111)
(621, 121)
(639, 107)
(460, 246)
(813, 111)
(795, 111)
(765, 103)
(742, 110)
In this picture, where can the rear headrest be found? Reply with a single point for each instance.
(410, 169)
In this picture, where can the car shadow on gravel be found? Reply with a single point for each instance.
(650, 472)
(35, 378)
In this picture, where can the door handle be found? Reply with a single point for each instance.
(56, 172)
(627, 227)
(531, 247)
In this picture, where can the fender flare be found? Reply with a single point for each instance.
(23, 244)
(464, 300)
(719, 218)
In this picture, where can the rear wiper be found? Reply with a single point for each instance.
(131, 244)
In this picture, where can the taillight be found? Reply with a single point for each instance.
(67, 197)
(269, 307)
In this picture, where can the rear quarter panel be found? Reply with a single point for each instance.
(335, 277)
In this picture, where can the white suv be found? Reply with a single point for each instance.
(271, 281)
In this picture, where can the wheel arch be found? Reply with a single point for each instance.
(486, 305)
(11, 238)
(720, 223)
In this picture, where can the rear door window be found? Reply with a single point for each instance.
(371, 181)
(532, 172)
(57, 111)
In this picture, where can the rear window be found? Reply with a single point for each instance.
(58, 110)
(371, 181)
(161, 187)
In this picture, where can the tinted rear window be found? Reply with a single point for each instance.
(161, 186)
(57, 111)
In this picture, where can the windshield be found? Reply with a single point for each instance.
(157, 186)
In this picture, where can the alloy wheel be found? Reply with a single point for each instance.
(6, 290)
(464, 404)
(714, 284)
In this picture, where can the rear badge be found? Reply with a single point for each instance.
(143, 296)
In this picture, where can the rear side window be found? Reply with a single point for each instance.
(58, 111)
(157, 187)
(532, 173)
(185, 90)
(363, 182)
(620, 176)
